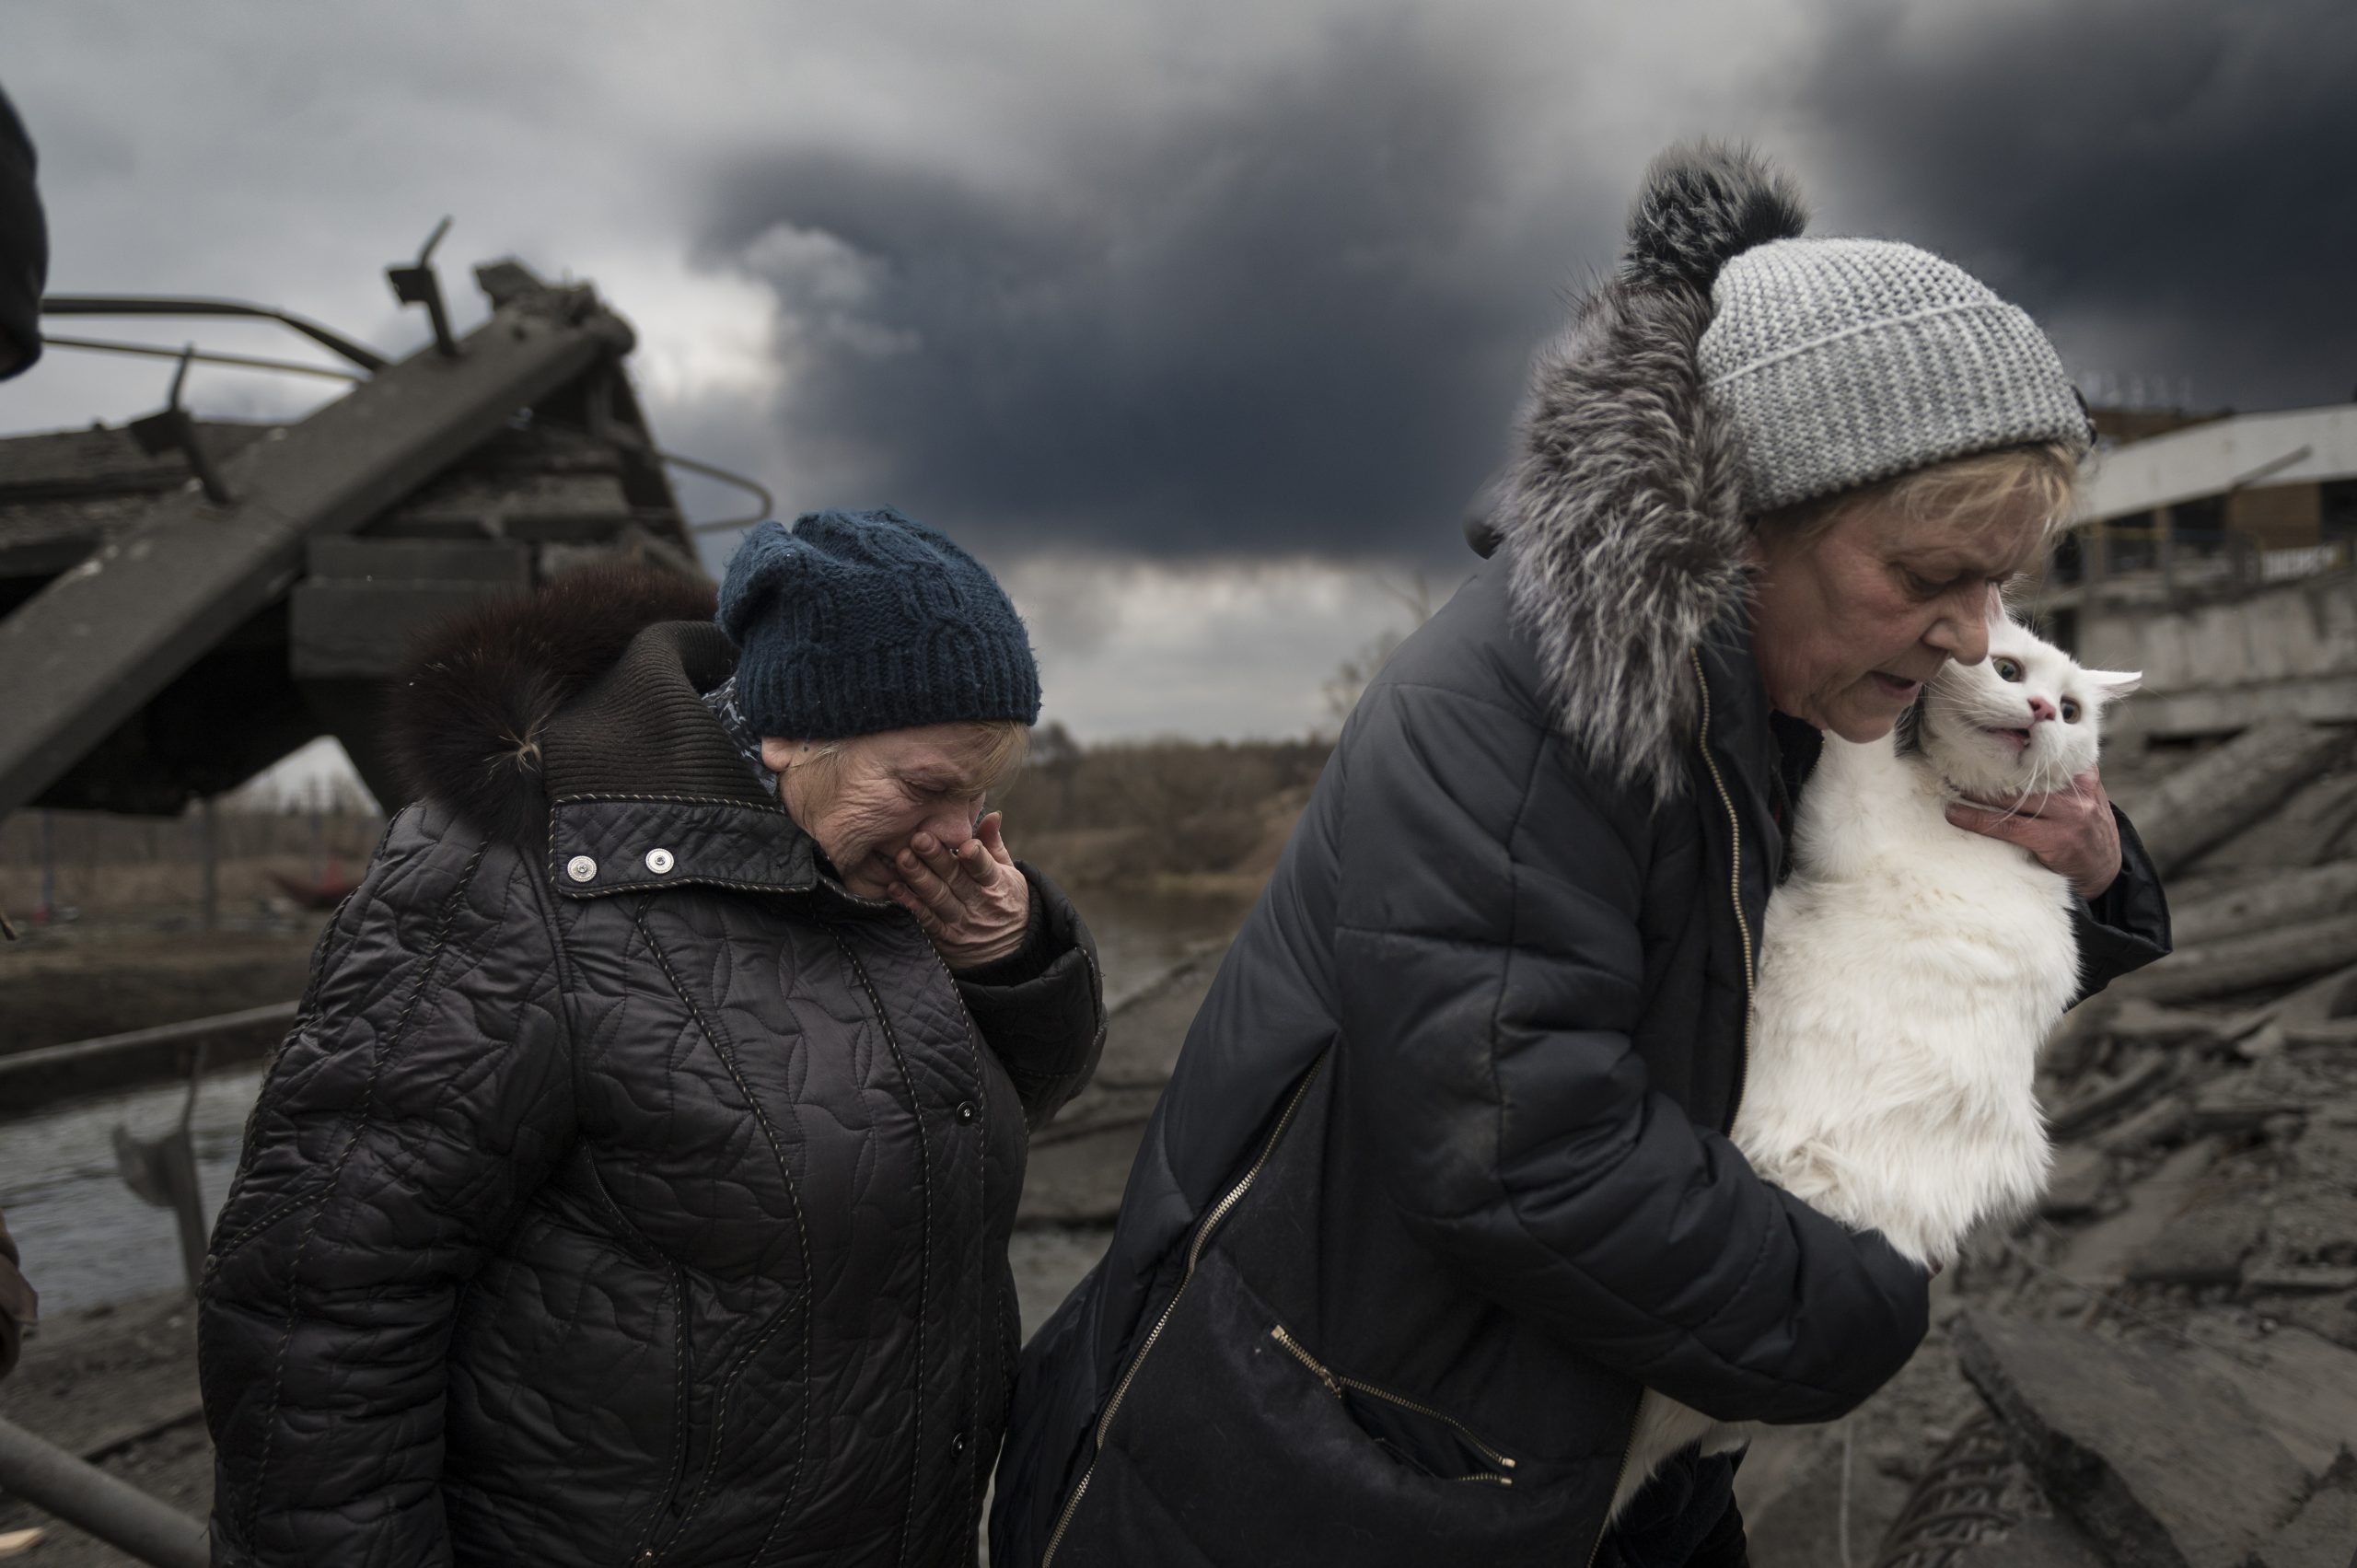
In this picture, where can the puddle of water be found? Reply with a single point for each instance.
(86, 1239)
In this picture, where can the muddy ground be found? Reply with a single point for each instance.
(75, 983)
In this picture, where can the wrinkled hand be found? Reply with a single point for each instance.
(2071, 832)
(971, 901)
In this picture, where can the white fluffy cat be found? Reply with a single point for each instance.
(1909, 972)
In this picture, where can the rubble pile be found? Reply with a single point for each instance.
(2169, 1346)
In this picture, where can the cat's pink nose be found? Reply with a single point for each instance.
(2041, 710)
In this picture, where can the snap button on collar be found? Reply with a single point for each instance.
(581, 868)
(658, 861)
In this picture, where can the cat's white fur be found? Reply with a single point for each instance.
(1907, 974)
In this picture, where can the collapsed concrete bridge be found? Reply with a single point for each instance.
(183, 602)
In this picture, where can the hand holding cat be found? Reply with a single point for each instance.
(2071, 832)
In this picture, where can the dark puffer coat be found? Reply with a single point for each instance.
(1441, 1183)
(602, 1209)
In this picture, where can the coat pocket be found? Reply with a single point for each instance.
(1236, 1444)
(1408, 1430)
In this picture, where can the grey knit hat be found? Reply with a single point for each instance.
(1842, 362)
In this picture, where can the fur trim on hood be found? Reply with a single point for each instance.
(1621, 513)
(466, 727)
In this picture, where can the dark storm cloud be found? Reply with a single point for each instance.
(2172, 188)
(1294, 316)
(1294, 322)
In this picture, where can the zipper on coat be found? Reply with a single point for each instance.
(1735, 887)
(1619, 1473)
(1336, 1384)
(1204, 1229)
(1750, 980)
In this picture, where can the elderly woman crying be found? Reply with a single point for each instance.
(635, 1185)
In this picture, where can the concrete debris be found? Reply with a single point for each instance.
(2328, 1032)
(2291, 1280)
(2313, 894)
(2233, 965)
(2144, 1075)
(2156, 1462)
(2098, 1256)
(2317, 824)
(2233, 787)
(2139, 1022)
(2205, 1245)
(2324, 1534)
(2078, 1184)
(2159, 1122)
(2304, 1386)
(2035, 1543)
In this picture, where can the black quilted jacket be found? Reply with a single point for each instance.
(606, 1211)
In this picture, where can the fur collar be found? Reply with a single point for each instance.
(469, 726)
(1619, 514)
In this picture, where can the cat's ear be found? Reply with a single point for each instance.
(2115, 683)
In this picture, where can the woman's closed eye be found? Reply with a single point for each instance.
(1927, 589)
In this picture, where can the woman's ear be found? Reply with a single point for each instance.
(778, 755)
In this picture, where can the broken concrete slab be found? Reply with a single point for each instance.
(2144, 1075)
(2206, 1244)
(2281, 899)
(2230, 965)
(2141, 1022)
(2098, 1256)
(2316, 823)
(2331, 995)
(2156, 1464)
(2292, 1279)
(2330, 1032)
(2303, 1385)
(2043, 1542)
(2312, 1221)
(2162, 1121)
(2076, 1185)
(2237, 1105)
(2226, 789)
(2323, 1535)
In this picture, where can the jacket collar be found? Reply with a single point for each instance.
(1621, 524)
(648, 790)
(1621, 512)
(569, 721)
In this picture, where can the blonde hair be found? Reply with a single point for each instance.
(1974, 490)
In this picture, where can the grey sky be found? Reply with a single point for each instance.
(1189, 319)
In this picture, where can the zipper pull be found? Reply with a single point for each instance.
(1293, 1348)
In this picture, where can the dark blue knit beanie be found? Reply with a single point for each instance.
(854, 623)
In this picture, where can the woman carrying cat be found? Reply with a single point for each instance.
(635, 1186)
(1441, 1185)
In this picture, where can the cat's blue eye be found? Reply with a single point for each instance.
(2006, 670)
(2069, 711)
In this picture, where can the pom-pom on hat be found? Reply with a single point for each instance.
(1838, 361)
(857, 622)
